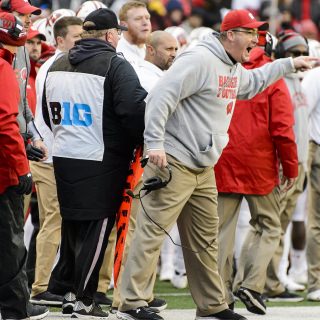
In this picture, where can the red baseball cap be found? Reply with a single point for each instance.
(21, 6)
(34, 32)
(241, 19)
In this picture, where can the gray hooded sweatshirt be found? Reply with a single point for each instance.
(189, 110)
(21, 66)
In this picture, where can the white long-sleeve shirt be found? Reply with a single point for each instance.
(148, 74)
(311, 87)
(131, 52)
(46, 133)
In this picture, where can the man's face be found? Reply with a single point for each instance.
(113, 36)
(25, 18)
(34, 48)
(243, 41)
(138, 24)
(72, 36)
(165, 52)
(296, 51)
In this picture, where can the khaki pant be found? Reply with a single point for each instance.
(49, 235)
(261, 243)
(189, 199)
(313, 226)
(288, 203)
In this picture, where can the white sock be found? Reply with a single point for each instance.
(298, 261)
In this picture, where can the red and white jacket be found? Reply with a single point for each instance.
(13, 160)
(260, 136)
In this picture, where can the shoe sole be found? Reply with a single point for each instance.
(251, 303)
(298, 299)
(40, 316)
(80, 316)
(207, 318)
(124, 316)
(46, 302)
(313, 299)
(158, 309)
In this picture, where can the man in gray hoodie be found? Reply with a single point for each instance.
(187, 118)
(22, 9)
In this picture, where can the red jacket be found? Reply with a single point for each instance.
(13, 160)
(260, 135)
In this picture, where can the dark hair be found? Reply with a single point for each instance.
(60, 28)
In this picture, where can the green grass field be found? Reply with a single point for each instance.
(181, 298)
(166, 291)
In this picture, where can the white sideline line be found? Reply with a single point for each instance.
(273, 313)
(181, 294)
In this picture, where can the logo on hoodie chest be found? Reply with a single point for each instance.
(227, 88)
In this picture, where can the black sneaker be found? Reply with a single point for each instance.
(226, 314)
(37, 312)
(102, 299)
(286, 296)
(157, 305)
(68, 303)
(93, 311)
(34, 312)
(47, 299)
(143, 313)
(252, 300)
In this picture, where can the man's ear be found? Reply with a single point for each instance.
(230, 35)
(150, 49)
(59, 40)
(107, 36)
(124, 24)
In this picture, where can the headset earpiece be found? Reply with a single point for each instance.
(269, 44)
(17, 29)
(152, 184)
(156, 183)
(5, 5)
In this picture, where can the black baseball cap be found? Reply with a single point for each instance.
(102, 19)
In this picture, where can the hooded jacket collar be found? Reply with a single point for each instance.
(88, 48)
(215, 46)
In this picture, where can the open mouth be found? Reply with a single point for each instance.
(249, 49)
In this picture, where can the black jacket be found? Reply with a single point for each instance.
(93, 189)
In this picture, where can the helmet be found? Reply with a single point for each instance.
(314, 47)
(180, 34)
(87, 7)
(52, 19)
(199, 34)
(40, 25)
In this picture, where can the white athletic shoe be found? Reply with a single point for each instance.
(179, 280)
(299, 277)
(291, 285)
(166, 274)
(314, 295)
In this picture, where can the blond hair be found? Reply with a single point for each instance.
(129, 5)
